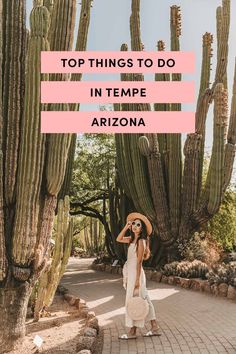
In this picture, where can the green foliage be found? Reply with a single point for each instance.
(94, 165)
(223, 225)
(89, 239)
(201, 246)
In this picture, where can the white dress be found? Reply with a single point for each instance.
(129, 278)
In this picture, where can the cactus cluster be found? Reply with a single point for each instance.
(222, 273)
(38, 162)
(201, 246)
(162, 186)
(34, 167)
(186, 269)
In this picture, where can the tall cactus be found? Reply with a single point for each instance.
(180, 202)
(50, 278)
(32, 165)
(31, 155)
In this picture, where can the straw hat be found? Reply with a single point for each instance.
(133, 216)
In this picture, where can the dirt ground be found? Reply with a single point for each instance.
(59, 332)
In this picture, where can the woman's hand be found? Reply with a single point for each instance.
(128, 225)
(121, 237)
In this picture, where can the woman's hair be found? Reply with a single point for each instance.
(142, 236)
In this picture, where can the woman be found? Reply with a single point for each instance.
(134, 276)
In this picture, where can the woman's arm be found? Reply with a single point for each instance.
(139, 262)
(121, 237)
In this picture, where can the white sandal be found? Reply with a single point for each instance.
(152, 333)
(126, 337)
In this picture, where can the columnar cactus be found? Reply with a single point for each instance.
(31, 157)
(178, 202)
(2, 239)
(51, 277)
(32, 165)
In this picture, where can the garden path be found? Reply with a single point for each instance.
(190, 322)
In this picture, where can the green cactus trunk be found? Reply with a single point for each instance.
(171, 195)
(29, 186)
(49, 280)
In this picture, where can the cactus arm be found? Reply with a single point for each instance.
(140, 178)
(149, 147)
(136, 43)
(60, 39)
(63, 242)
(120, 161)
(14, 53)
(81, 42)
(46, 225)
(200, 197)
(129, 156)
(49, 5)
(174, 140)
(163, 138)
(219, 20)
(2, 236)
(194, 144)
(208, 206)
(206, 64)
(61, 32)
(54, 270)
(190, 177)
(230, 147)
(65, 189)
(137, 162)
(203, 104)
(217, 167)
(67, 247)
(58, 148)
(81, 45)
(202, 214)
(223, 46)
(32, 147)
(123, 151)
(120, 158)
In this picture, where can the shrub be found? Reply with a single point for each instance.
(186, 269)
(201, 246)
(223, 225)
(222, 273)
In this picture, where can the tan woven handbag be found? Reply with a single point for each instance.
(137, 308)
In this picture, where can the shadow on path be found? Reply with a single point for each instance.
(191, 322)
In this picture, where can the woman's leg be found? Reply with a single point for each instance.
(132, 331)
(154, 325)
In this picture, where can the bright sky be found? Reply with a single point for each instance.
(109, 28)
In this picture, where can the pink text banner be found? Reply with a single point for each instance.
(117, 62)
(117, 122)
(117, 92)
